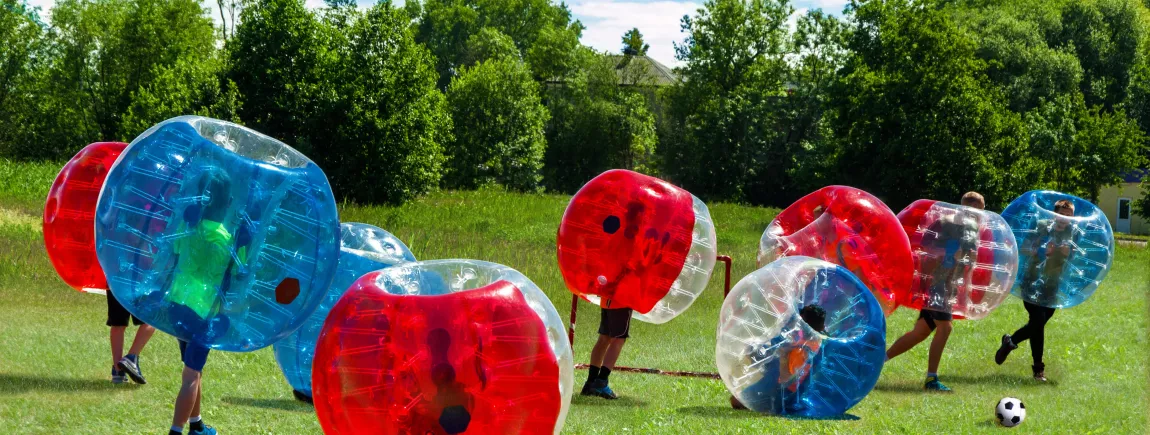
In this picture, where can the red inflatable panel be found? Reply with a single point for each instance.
(624, 239)
(848, 227)
(69, 215)
(476, 362)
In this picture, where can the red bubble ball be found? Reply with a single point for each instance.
(628, 240)
(464, 360)
(69, 215)
(849, 227)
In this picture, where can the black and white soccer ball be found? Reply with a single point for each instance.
(1010, 412)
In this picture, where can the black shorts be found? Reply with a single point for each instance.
(117, 315)
(930, 316)
(615, 322)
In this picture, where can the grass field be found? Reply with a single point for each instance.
(54, 353)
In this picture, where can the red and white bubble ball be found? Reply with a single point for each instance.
(629, 240)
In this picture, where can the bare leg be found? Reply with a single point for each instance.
(143, 334)
(613, 351)
(909, 340)
(938, 344)
(600, 350)
(188, 401)
(117, 339)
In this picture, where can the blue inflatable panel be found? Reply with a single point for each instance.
(217, 234)
(363, 248)
(775, 362)
(1061, 259)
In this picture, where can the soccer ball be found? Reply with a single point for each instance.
(1010, 412)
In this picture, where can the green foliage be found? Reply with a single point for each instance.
(918, 116)
(489, 43)
(499, 123)
(724, 131)
(1142, 205)
(388, 122)
(544, 33)
(633, 44)
(182, 89)
(597, 125)
(280, 59)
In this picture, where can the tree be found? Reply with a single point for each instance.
(596, 125)
(384, 132)
(723, 123)
(917, 115)
(281, 58)
(1111, 144)
(182, 89)
(489, 43)
(633, 44)
(543, 32)
(1106, 35)
(499, 121)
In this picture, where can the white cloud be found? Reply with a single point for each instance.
(607, 21)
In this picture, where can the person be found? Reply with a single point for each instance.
(1049, 249)
(791, 368)
(959, 234)
(204, 266)
(614, 329)
(126, 366)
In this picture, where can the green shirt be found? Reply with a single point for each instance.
(203, 259)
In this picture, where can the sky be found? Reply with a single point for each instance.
(607, 20)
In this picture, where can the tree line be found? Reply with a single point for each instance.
(907, 99)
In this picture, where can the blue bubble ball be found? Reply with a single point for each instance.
(800, 337)
(363, 248)
(217, 234)
(1061, 258)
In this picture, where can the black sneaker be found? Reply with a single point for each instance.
(600, 388)
(1004, 349)
(131, 367)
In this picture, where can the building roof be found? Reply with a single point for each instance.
(660, 75)
(1135, 176)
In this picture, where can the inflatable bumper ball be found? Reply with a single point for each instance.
(628, 240)
(964, 258)
(1064, 253)
(363, 248)
(800, 337)
(850, 228)
(217, 234)
(69, 216)
(443, 347)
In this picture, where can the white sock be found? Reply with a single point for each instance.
(178, 429)
(194, 419)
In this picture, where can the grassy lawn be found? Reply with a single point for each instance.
(54, 354)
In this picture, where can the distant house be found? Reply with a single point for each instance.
(642, 71)
(1117, 202)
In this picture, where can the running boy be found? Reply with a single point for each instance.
(126, 365)
(939, 322)
(1055, 237)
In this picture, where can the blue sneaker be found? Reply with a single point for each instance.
(131, 367)
(207, 430)
(600, 388)
(932, 384)
(118, 377)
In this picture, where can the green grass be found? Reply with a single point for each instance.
(54, 352)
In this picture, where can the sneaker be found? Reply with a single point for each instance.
(131, 367)
(600, 388)
(586, 389)
(118, 377)
(1040, 376)
(207, 430)
(932, 384)
(1004, 349)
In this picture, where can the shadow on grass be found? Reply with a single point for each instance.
(17, 384)
(999, 379)
(622, 401)
(727, 412)
(281, 404)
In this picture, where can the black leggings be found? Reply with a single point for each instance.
(1035, 331)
